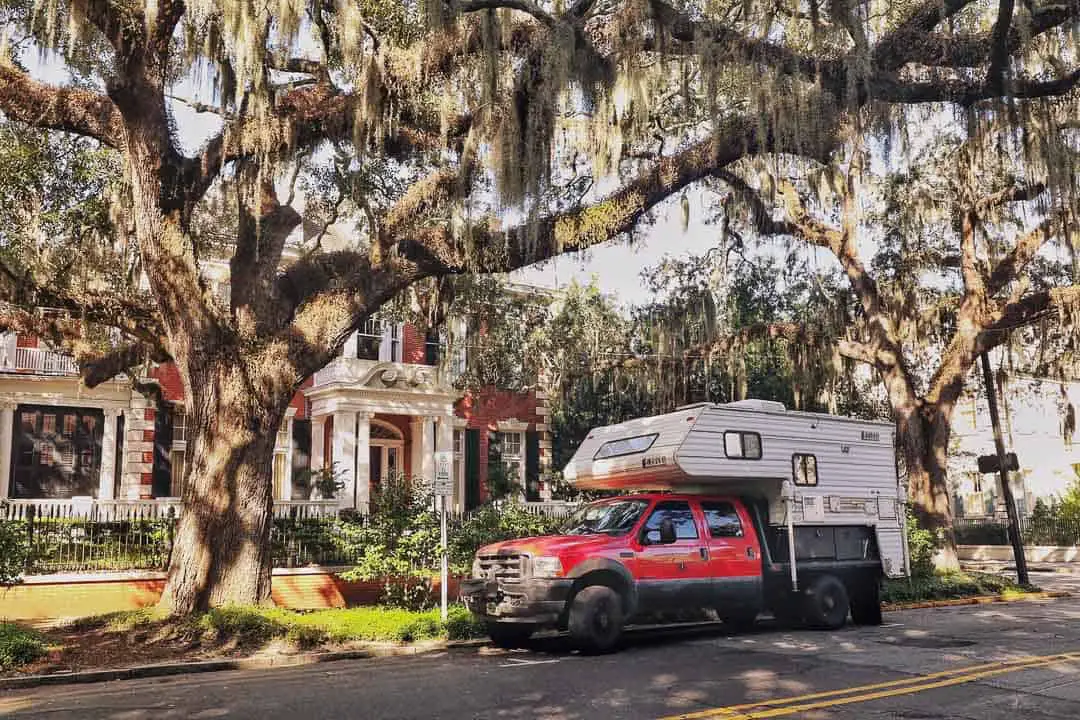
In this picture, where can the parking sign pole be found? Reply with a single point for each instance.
(445, 562)
(443, 489)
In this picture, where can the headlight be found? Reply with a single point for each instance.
(476, 572)
(547, 567)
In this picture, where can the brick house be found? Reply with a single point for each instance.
(387, 404)
(1038, 422)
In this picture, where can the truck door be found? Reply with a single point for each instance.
(734, 555)
(672, 575)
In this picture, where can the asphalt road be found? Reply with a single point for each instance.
(1020, 660)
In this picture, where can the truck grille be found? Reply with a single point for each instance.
(507, 567)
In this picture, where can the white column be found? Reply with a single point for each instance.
(318, 439)
(363, 462)
(444, 441)
(7, 433)
(344, 456)
(416, 446)
(107, 476)
(286, 483)
(427, 452)
(349, 350)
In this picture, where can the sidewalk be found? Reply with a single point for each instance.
(1053, 577)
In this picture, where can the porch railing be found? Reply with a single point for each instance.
(41, 361)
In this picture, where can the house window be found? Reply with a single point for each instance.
(178, 452)
(742, 445)
(378, 340)
(804, 468)
(459, 457)
(976, 482)
(178, 460)
(434, 346)
(282, 442)
(511, 444)
(56, 452)
(179, 431)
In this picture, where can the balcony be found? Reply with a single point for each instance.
(36, 361)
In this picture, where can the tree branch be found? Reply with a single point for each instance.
(999, 56)
(54, 108)
(889, 88)
(525, 6)
(98, 368)
(1026, 248)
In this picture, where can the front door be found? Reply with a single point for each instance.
(734, 563)
(673, 575)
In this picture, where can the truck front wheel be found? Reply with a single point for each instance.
(596, 619)
(509, 636)
(826, 603)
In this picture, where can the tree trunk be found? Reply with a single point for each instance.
(222, 552)
(924, 440)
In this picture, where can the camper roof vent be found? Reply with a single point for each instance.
(759, 405)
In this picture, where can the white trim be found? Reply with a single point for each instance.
(512, 425)
(460, 423)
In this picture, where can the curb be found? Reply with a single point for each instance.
(974, 600)
(251, 663)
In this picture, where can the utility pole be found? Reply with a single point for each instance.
(1003, 464)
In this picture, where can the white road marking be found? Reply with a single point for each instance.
(515, 662)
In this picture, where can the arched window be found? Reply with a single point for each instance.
(381, 430)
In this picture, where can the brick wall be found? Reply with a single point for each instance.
(84, 595)
(168, 377)
(412, 348)
(485, 408)
(137, 476)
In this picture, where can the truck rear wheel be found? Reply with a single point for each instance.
(826, 603)
(866, 604)
(596, 619)
(509, 636)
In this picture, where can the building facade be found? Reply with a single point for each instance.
(386, 405)
(1038, 422)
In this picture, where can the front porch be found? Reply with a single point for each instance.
(371, 419)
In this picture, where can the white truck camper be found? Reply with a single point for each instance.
(811, 474)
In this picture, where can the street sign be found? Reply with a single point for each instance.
(444, 484)
(989, 463)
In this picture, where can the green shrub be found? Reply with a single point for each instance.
(948, 586)
(922, 545)
(13, 550)
(18, 647)
(244, 624)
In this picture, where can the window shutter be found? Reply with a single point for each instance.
(472, 469)
(532, 466)
(163, 438)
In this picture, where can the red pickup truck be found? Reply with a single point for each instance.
(624, 556)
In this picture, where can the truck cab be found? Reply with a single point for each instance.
(653, 552)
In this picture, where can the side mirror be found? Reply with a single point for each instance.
(667, 532)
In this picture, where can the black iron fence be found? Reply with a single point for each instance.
(53, 543)
(1034, 531)
(64, 537)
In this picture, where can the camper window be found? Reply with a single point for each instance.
(804, 468)
(625, 446)
(742, 445)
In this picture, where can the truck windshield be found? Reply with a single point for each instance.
(610, 518)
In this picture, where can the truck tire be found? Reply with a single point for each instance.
(866, 604)
(596, 619)
(509, 636)
(826, 603)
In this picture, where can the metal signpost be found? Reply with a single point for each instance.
(444, 488)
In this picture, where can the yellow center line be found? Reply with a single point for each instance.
(864, 693)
